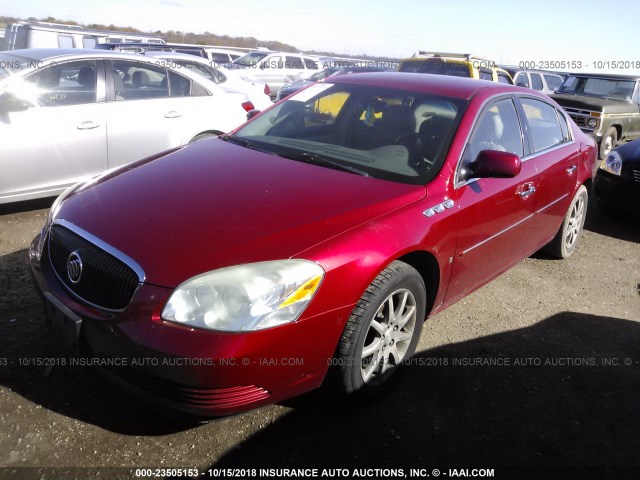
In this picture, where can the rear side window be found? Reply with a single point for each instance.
(179, 86)
(293, 62)
(504, 78)
(139, 81)
(564, 126)
(522, 80)
(486, 74)
(536, 82)
(310, 64)
(65, 41)
(544, 126)
(89, 41)
(272, 62)
(553, 81)
(219, 58)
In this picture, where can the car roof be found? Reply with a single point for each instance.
(60, 54)
(43, 54)
(441, 85)
(177, 56)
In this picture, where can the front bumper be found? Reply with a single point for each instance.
(617, 192)
(197, 373)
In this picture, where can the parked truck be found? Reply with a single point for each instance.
(53, 35)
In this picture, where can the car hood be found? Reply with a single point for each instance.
(214, 204)
(597, 104)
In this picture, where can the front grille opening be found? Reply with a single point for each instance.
(105, 282)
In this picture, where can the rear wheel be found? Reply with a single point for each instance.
(382, 332)
(566, 240)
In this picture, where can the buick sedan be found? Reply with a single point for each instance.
(309, 245)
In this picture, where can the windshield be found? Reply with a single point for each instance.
(250, 59)
(373, 131)
(598, 87)
(436, 66)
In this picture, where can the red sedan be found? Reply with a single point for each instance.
(313, 241)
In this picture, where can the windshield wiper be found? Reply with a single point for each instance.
(320, 160)
(238, 141)
(242, 142)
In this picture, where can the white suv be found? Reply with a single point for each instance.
(276, 68)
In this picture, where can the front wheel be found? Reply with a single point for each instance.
(382, 331)
(566, 240)
(608, 142)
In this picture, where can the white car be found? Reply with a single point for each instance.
(276, 68)
(229, 80)
(69, 114)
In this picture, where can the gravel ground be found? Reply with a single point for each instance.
(529, 371)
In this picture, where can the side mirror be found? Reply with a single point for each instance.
(496, 164)
(253, 113)
(10, 103)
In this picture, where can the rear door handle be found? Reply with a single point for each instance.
(172, 114)
(88, 125)
(530, 189)
(571, 169)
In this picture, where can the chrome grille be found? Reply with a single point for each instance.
(106, 282)
(636, 175)
(579, 116)
(580, 121)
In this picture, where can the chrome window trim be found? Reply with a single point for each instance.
(548, 150)
(495, 235)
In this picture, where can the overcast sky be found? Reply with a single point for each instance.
(584, 31)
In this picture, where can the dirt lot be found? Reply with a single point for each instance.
(541, 368)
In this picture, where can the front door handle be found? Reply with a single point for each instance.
(571, 169)
(530, 189)
(89, 125)
(172, 114)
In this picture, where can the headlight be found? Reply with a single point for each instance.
(592, 123)
(245, 297)
(613, 163)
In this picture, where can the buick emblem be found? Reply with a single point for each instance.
(74, 267)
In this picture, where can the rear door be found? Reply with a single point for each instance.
(143, 118)
(556, 157)
(496, 214)
(61, 138)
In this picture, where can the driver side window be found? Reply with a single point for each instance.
(60, 85)
(497, 128)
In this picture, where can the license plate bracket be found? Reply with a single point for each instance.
(63, 323)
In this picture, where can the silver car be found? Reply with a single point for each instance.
(229, 80)
(66, 115)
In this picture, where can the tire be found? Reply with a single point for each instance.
(608, 142)
(564, 243)
(374, 344)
